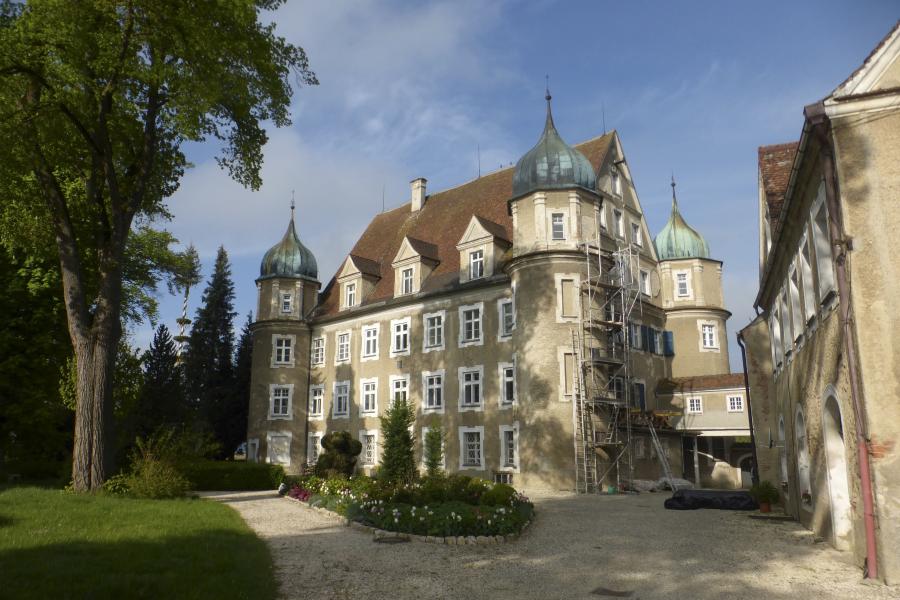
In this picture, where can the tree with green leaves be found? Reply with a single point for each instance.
(398, 464)
(236, 414)
(208, 364)
(433, 447)
(162, 396)
(96, 101)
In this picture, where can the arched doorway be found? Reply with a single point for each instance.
(803, 477)
(745, 464)
(836, 461)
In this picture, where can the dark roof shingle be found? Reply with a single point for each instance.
(775, 163)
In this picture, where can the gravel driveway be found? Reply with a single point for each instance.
(578, 547)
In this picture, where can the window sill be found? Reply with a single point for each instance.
(433, 410)
(340, 416)
(432, 349)
(280, 417)
(466, 344)
(395, 354)
(508, 404)
(472, 408)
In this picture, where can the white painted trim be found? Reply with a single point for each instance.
(320, 363)
(463, 343)
(462, 448)
(362, 397)
(290, 413)
(394, 323)
(398, 277)
(317, 436)
(728, 403)
(558, 279)
(561, 352)
(282, 297)
(334, 387)
(460, 372)
(567, 229)
(362, 455)
(393, 379)
(716, 347)
(269, 436)
(376, 327)
(514, 468)
(320, 415)
(293, 350)
(690, 288)
(443, 315)
(337, 347)
(425, 408)
(687, 405)
(502, 385)
(501, 302)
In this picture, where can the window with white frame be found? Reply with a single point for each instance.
(568, 302)
(558, 226)
(287, 302)
(636, 237)
(602, 217)
(284, 350)
(470, 324)
(343, 347)
(809, 292)
(318, 351)
(682, 284)
(709, 335)
(619, 222)
(280, 401)
(787, 338)
(476, 264)
(369, 440)
(313, 448)
(369, 390)
(370, 341)
(341, 400)
(471, 451)
(433, 391)
(434, 331)
(400, 336)
(695, 405)
(278, 445)
(316, 401)
(775, 334)
(635, 336)
(470, 388)
(735, 403)
(822, 243)
(399, 388)
(797, 319)
(349, 295)
(616, 181)
(509, 446)
(406, 281)
(645, 282)
(507, 384)
(507, 317)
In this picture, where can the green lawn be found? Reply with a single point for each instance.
(55, 544)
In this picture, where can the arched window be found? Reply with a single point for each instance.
(836, 461)
(803, 478)
(782, 453)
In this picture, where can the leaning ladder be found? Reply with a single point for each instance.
(585, 455)
(663, 459)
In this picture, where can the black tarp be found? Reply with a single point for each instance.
(726, 500)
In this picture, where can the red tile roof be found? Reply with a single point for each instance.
(775, 164)
(441, 222)
(701, 382)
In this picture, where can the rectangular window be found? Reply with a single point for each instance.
(787, 338)
(476, 264)
(470, 388)
(796, 314)
(558, 226)
(695, 406)
(370, 447)
(809, 292)
(312, 453)
(636, 237)
(619, 223)
(470, 324)
(775, 334)
(568, 299)
(507, 384)
(471, 448)
(406, 281)
(281, 401)
(822, 243)
(279, 448)
(639, 400)
(635, 336)
(602, 213)
(318, 351)
(316, 400)
(618, 385)
(369, 405)
(283, 350)
(399, 389)
(616, 182)
(735, 404)
(709, 336)
(370, 341)
(434, 331)
(400, 336)
(343, 347)
(341, 406)
(568, 374)
(509, 451)
(434, 391)
(645, 282)
(507, 318)
(349, 295)
(682, 288)
(287, 302)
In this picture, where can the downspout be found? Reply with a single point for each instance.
(754, 473)
(815, 113)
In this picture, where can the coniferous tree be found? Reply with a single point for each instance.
(161, 401)
(209, 370)
(398, 464)
(239, 404)
(433, 445)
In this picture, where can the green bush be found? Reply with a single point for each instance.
(117, 485)
(156, 479)
(457, 487)
(433, 446)
(764, 491)
(232, 475)
(433, 490)
(397, 460)
(499, 495)
(340, 455)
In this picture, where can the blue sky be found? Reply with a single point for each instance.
(411, 89)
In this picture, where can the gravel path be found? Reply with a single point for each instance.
(577, 547)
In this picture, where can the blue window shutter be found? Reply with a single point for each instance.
(668, 343)
(645, 337)
(651, 336)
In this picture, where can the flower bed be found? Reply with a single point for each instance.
(438, 507)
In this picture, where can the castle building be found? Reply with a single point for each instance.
(467, 302)
(823, 354)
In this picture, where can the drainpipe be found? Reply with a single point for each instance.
(754, 473)
(815, 114)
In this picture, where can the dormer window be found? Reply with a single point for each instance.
(287, 303)
(619, 223)
(616, 182)
(476, 264)
(350, 295)
(558, 226)
(406, 281)
(636, 234)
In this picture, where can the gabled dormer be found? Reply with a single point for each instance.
(414, 262)
(481, 249)
(357, 279)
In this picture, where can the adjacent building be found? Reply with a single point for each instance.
(824, 356)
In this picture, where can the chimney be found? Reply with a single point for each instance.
(418, 193)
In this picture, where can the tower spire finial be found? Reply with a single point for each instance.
(674, 200)
(292, 205)
(548, 97)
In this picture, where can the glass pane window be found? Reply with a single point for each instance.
(434, 331)
(645, 282)
(735, 404)
(558, 226)
(406, 281)
(318, 351)
(472, 325)
(471, 388)
(370, 449)
(508, 385)
(507, 318)
(472, 456)
(681, 283)
(287, 302)
(619, 223)
(341, 399)
(343, 347)
(636, 234)
(369, 389)
(401, 336)
(695, 405)
(283, 349)
(509, 448)
(476, 264)
(316, 395)
(709, 335)
(350, 295)
(434, 392)
(400, 390)
(281, 401)
(370, 341)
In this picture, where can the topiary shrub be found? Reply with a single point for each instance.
(398, 464)
(499, 495)
(340, 455)
(433, 446)
(231, 475)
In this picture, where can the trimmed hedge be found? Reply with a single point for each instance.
(232, 475)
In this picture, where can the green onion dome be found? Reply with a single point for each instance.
(678, 239)
(289, 258)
